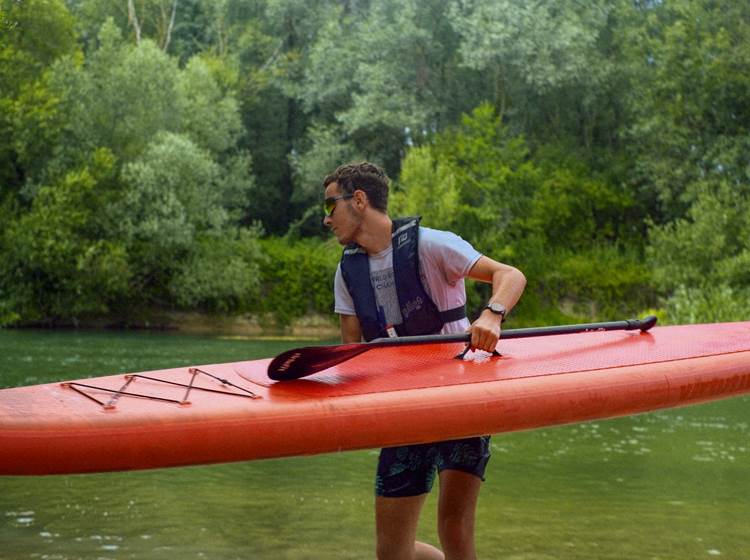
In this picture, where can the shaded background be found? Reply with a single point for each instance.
(159, 156)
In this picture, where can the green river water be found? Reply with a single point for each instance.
(667, 485)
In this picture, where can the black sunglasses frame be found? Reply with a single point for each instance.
(329, 204)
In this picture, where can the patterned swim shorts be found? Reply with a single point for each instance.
(410, 470)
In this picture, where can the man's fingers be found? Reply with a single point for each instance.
(483, 340)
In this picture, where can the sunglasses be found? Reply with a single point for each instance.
(329, 204)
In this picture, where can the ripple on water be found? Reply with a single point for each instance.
(22, 518)
(710, 451)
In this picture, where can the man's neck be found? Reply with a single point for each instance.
(375, 233)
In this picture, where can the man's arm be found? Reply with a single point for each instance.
(350, 329)
(507, 286)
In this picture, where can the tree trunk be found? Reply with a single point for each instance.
(133, 20)
(168, 36)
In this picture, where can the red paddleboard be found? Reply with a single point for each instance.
(386, 396)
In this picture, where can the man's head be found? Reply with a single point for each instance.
(356, 198)
(363, 176)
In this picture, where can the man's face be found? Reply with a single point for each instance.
(343, 220)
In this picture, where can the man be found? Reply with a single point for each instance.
(398, 278)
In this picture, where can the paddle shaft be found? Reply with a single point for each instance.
(301, 362)
(627, 325)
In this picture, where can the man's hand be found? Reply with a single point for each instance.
(507, 286)
(485, 331)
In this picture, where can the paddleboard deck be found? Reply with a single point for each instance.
(387, 396)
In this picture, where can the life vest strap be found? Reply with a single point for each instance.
(455, 314)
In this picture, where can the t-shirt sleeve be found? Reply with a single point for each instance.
(343, 302)
(453, 255)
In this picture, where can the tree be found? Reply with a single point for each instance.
(56, 263)
(382, 76)
(479, 166)
(261, 46)
(178, 27)
(221, 274)
(548, 63)
(552, 216)
(124, 95)
(710, 243)
(120, 98)
(33, 35)
(175, 183)
(689, 100)
(170, 212)
(690, 145)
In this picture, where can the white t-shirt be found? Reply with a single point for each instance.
(445, 259)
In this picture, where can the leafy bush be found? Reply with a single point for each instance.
(54, 262)
(710, 245)
(222, 274)
(297, 278)
(709, 303)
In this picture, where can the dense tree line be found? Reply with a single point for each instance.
(167, 154)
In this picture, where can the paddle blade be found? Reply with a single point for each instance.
(300, 362)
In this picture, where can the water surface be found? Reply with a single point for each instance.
(667, 485)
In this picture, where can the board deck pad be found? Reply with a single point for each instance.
(415, 367)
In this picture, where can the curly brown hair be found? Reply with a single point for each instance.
(364, 176)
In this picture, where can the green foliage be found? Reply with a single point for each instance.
(297, 278)
(54, 264)
(573, 209)
(171, 194)
(495, 175)
(702, 261)
(601, 281)
(545, 44)
(221, 275)
(428, 188)
(482, 171)
(121, 98)
(602, 147)
(386, 73)
(182, 38)
(33, 35)
(326, 148)
(115, 231)
(708, 303)
(562, 226)
(124, 95)
(690, 63)
(172, 215)
(92, 246)
(326, 151)
(690, 86)
(710, 245)
(549, 66)
(209, 116)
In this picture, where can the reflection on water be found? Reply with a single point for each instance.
(667, 485)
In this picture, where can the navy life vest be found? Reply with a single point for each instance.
(419, 313)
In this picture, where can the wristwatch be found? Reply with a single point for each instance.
(497, 309)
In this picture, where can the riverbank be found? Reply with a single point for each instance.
(245, 326)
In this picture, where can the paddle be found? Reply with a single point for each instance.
(301, 362)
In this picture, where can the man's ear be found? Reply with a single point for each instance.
(360, 199)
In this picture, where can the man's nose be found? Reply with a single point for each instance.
(327, 221)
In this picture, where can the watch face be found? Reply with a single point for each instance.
(498, 308)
